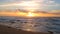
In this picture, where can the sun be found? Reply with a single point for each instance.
(30, 14)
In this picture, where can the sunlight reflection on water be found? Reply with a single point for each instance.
(34, 26)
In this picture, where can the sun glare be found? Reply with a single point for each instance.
(30, 6)
(30, 14)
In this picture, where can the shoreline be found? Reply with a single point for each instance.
(10, 30)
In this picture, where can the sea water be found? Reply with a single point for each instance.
(38, 24)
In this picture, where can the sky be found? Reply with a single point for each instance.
(30, 4)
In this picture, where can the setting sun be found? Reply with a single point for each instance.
(30, 14)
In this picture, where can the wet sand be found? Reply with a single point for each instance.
(9, 30)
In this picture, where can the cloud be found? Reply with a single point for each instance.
(35, 4)
(55, 11)
(50, 2)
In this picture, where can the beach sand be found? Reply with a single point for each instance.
(9, 30)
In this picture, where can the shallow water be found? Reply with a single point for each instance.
(40, 24)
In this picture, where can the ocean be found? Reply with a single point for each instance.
(38, 24)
